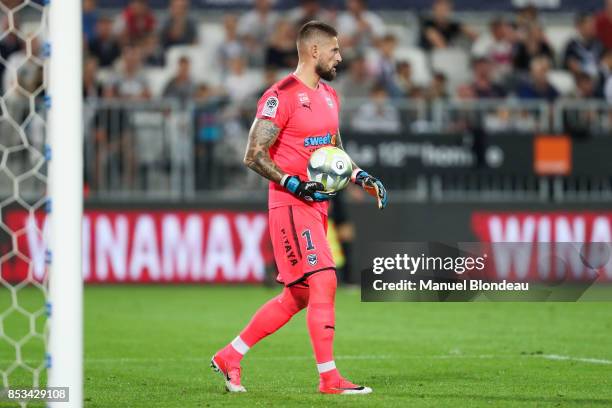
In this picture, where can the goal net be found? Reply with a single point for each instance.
(30, 314)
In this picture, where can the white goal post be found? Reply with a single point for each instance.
(65, 130)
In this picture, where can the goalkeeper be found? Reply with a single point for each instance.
(299, 108)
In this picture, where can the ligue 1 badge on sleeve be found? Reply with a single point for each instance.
(270, 107)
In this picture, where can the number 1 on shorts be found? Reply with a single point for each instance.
(309, 245)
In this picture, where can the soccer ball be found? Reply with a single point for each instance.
(331, 167)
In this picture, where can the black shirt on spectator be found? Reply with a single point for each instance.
(587, 53)
(450, 31)
(105, 51)
(522, 57)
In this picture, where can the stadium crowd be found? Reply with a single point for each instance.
(513, 58)
(140, 54)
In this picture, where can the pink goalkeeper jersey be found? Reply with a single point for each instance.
(308, 120)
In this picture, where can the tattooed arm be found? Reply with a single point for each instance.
(262, 136)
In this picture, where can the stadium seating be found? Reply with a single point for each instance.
(418, 61)
(452, 62)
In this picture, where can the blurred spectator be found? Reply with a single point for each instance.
(358, 82)
(465, 92)
(239, 83)
(104, 46)
(359, 27)
(482, 84)
(181, 87)
(179, 28)
(281, 51)
(583, 52)
(438, 88)
(309, 10)
(525, 18)
(378, 114)
(8, 45)
(90, 19)
(537, 85)
(128, 80)
(21, 76)
(440, 30)
(533, 45)
(608, 90)
(255, 28)
(231, 47)
(586, 87)
(606, 75)
(498, 48)
(22, 70)
(383, 63)
(403, 85)
(92, 87)
(136, 21)
(605, 67)
(152, 54)
(603, 25)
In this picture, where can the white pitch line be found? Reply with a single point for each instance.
(555, 357)
(579, 359)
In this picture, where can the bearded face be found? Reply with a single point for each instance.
(326, 71)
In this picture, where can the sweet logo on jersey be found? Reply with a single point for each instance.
(320, 140)
(312, 259)
(329, 101)
(270, 107)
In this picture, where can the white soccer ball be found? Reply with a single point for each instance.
(331, 167)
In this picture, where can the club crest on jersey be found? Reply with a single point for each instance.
(270, 107)
(329, 101)
(312, 259)
(303, 99)
(319, 140)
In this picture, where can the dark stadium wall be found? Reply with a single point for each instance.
(228, 242)
(444, 222)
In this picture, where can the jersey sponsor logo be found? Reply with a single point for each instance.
(319, 140)
(303, 99)
(312, 259)
(270, 107)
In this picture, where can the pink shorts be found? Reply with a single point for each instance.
(299, 240)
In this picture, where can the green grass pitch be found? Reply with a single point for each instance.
(148, 346)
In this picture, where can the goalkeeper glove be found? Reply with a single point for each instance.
(371, 185)
(306, 190)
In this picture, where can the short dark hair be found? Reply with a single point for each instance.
(314, 27)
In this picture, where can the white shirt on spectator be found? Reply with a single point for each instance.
(242, 86)
(348, 25)
(373, 117)
(130, 86)
(251, 24)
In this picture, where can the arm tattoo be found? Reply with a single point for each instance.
(339, 146)
(262, 136)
